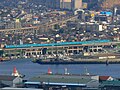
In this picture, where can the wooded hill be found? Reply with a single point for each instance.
(107, 4)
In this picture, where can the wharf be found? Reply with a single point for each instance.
(82, 61)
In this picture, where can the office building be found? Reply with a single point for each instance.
(76, 4)
(66, 4)
(53, 4)
(50, 3)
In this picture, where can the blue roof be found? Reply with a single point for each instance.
(66, 84)
(57, 44)
(52, 83)
(106, 12)
(37, 83)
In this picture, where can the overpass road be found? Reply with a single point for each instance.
(45, 26)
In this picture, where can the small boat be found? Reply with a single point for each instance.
(107, 62)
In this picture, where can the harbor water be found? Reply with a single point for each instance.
(30, 69)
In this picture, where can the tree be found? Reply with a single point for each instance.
(107, 4)
(56, 26)
(1, 52)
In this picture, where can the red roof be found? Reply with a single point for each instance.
(104, 77)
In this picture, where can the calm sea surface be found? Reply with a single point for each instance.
(30, 69)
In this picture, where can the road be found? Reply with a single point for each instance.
(46, 25)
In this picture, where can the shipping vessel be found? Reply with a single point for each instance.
(68, 60)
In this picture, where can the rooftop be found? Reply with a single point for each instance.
(54, 78)
(57, 44)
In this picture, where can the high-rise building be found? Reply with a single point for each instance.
(76, 4)
(50, 3)
(66, 4)
(57, 2)
(70, 4)
(53, 4)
